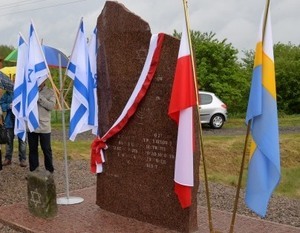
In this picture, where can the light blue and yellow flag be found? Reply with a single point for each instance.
(264, 165)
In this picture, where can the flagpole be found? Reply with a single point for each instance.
(55, 89)
(246, 139)
(65, 200)
(240, 180)
(49, 73)
(265, 20)
(199, 123)
(69, 87)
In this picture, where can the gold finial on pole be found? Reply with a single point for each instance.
(199, 125)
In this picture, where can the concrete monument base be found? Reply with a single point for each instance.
(41, 192)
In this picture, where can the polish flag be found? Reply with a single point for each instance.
(183, 98)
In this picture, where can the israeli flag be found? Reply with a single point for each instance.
(19, 96)
(36, 73)
(92, 83)
(78, 70)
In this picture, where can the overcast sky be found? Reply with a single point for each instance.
(57, 21)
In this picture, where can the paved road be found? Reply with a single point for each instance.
(57, 133)
(242, 131)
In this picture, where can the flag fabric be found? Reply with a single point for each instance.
(92, 83)
(19, 96)
(140, 90)
(183, 99)
(78, 71)
(264, 164)
(37, 72)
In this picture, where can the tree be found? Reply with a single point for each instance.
(287, 72)
(287, 68)
(218, 70)
(4, 51)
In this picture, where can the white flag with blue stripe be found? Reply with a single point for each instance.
(19, 96)
(92, 87)
(37, 72)
(78, 71)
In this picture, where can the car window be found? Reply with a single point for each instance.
(205, 99)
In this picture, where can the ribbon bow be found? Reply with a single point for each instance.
(97, 154)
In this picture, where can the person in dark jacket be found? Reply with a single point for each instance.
(1, 122)
(9, 120)
(46, 103)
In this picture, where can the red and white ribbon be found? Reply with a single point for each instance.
(140, 90)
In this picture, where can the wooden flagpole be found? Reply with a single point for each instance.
(68, 89)
(55, 89)
(57, 93)
(61, 93)
(247, 136)
(240, 180)
(198, 112)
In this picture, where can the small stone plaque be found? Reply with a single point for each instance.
(138, 177)
(41, 193)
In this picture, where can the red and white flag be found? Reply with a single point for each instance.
(183, 98)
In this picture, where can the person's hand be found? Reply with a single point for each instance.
(41, 99)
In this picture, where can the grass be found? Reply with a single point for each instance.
(75, 150)
(290, 182)
(293, 120)
(224, 155)
(284, 121)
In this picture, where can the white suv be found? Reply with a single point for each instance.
(212, 110)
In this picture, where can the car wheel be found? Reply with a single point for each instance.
(217, 121)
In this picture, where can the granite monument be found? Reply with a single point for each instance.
(137, 179)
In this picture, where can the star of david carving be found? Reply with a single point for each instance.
(35, 197)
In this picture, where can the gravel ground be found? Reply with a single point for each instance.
(13, 185)
(13, 189)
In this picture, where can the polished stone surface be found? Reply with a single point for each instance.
(138, 175)
(87, 217)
